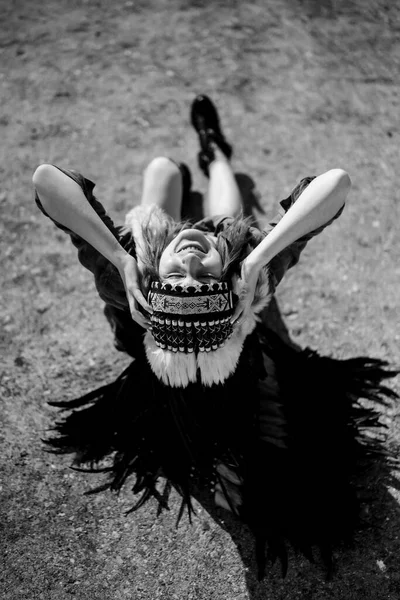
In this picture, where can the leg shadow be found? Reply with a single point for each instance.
(251, 197)
(192, 205)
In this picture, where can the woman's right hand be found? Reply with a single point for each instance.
(129, 272)
(244, 288)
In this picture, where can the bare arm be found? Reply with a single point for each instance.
(318, 203)
(63, 199)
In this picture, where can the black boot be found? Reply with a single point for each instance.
(204, 118)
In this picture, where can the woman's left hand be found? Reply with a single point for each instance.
(129, 272)
(245, 287)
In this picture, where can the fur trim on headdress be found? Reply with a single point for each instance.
(177, 369)
(152, 217)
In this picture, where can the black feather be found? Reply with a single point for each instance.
(292, 424)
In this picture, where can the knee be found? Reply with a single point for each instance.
(43, 175)
(162, 167)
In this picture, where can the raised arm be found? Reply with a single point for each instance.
(318, 204)
(63, 199)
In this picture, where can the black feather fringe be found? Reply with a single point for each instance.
(291, 424)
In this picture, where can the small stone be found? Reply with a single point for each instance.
(381, 565)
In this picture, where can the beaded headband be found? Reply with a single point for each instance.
(191, 318)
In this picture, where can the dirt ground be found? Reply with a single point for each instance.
(103, 87)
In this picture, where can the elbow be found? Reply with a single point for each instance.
(43, 176)
(341, 181)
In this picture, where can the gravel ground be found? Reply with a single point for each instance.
(302, 86)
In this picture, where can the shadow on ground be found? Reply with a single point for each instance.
(378, 509)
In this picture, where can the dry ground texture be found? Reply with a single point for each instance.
(103, 87)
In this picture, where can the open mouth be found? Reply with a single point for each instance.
(190, 246)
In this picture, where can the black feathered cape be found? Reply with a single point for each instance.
(291, 425)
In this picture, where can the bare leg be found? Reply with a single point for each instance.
(223, 195)
(162, 185)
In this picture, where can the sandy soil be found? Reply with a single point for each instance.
(303, 86)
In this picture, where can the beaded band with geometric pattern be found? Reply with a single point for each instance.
(191, 318)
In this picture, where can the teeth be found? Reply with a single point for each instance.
(195, 248)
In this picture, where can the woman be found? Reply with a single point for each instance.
(159, 238)
(213, 399)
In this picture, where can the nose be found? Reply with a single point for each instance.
(193, 265)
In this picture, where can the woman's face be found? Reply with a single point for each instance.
(191, 257)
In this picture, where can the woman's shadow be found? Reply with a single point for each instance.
(375, 499)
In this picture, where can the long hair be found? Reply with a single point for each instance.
(234, 242)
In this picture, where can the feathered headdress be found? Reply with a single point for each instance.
(191, 336)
